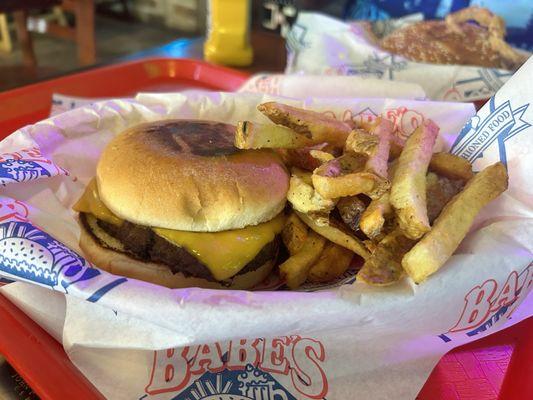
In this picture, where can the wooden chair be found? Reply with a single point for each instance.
(82, 34)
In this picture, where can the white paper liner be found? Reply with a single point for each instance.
(322, 45)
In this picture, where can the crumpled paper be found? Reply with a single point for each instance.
(137, 340)
(322, 45)
(296, 86)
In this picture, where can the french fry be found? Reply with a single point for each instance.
(454, 222)
(301, 158)
(320, 218)
(313, 125)
(331, 187)
(296, 268)
(305, 176)
(373, 217)
(451, 166)
(294, 234)
(350, 208)
(396, 144)
(376, 145)
(336, 234)
(395, 150)
(370, 245)
(408, 189)
(345, 176)
(378, 212)
(251, 135)
(332, 263)
(384, 266)
(322, 156)
(303, 197)
(361, 141)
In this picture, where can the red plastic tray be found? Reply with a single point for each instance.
(31, 103)
(497, 367)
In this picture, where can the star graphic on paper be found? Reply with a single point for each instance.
(491, 80)
(378, 65)
(385, 64)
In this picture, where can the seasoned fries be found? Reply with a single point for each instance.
(336, 234)
(313, 125)
(451, 166)
(294, 234)
(369, 192)
(373, 218)
(322, 156)
(375, 126)
(361, 141)
(296, 268)
(452, 225)
(332, 263)
(376, 145)
(408, 189)
(302, 157)
(345, 176)
(350, 208)
(251, 135)
(384, 267)
(303, 196)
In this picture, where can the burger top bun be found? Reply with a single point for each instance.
(187, 175)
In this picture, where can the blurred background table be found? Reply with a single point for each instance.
(50, 38)
(82, 32)
(269, 51)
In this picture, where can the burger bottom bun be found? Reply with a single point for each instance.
(121, 264)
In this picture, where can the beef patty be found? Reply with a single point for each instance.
(141, 243)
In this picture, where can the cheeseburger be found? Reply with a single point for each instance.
(175, 203)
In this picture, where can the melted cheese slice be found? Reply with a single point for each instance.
(90, 203)
(223, 253)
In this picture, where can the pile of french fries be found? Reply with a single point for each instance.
(359, 192)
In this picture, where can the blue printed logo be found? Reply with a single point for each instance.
(379, 65)
(26, 165)
(27, 253)
(21, 171)
(487, 82)
(249, 384)
(500, 125)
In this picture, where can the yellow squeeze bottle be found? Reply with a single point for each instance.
(228, 40)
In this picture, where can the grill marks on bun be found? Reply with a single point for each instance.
(200, 138)
(150, 175)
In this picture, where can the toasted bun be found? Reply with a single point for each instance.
(457, 41)
(120, 264)
(187, 175)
